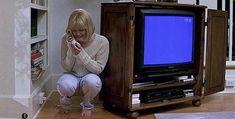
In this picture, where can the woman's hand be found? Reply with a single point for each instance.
(73, 45)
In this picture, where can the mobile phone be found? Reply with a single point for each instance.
(73, 41)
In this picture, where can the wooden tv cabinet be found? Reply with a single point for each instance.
(118, 25)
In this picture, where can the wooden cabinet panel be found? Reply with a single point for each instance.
(216, 51)
(117, 27)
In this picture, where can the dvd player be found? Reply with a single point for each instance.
(162, 95)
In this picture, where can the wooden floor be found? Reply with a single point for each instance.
(213, 103)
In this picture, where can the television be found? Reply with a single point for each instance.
(164, 42)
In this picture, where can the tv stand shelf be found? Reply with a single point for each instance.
(174, 73)
(141, 106)
(152, 87)
(119, 23)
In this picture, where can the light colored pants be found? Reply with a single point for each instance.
(89, 85)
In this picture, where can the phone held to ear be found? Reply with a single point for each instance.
(73, 41)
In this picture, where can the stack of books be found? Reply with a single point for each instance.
(188, 92)
(136, 98)
(36, 63)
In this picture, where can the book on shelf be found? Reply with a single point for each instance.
(135, 98)
(136, 95)
(37, 76)
(135, 101)
(188, 92)
(35, 54)
(38, 63)
(36, 70)
(184, 78)
(36, 58)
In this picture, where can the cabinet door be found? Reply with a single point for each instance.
(117, 26)
(216, 51)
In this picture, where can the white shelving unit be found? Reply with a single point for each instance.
(39, 38)
(21, 90)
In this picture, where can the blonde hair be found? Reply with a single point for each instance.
(81, 19)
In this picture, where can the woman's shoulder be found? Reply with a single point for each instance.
(63, 42)
(102, 39)
(63, 38)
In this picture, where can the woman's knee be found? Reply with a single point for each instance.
(67, 85)
(92, 81)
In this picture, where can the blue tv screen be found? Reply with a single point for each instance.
(168, 39)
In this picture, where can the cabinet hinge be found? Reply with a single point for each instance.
(203, 83)
(131, 17)
(130, 90)
(132, 20)
(206, 23)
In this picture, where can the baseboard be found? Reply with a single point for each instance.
(48, 96)
(13, 106)
(39, 88)
(45, 86)
(230, 80)
(53, 78)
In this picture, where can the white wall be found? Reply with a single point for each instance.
(58, 16)
(57, 20)
(211, 4)
(187, 1)
(7, 29)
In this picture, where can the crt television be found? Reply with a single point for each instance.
(164, 42)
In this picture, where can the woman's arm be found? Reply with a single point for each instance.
(95, 65)
(67, 59)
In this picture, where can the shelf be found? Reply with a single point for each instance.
(41, 73)
(38, 7)
(156, 86)
(136, 107)
(41, 46)
(39, 38)
(39, 22)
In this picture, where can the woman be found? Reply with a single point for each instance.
(83, 61)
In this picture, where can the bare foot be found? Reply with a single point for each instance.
(86, 113)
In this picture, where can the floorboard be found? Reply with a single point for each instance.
(214, 103)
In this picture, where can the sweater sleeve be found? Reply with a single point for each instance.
(95, 65)
(67, 59)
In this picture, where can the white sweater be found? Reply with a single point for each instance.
(91, 59)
